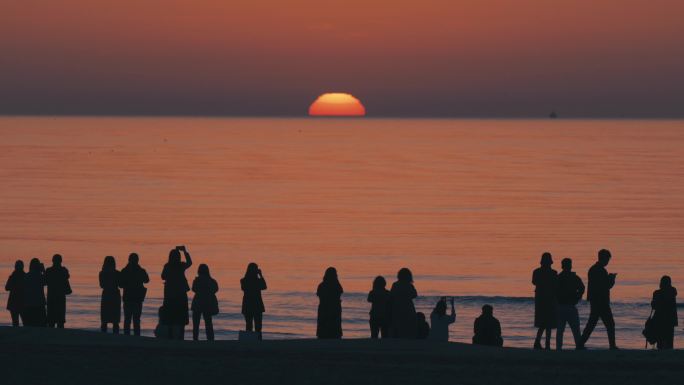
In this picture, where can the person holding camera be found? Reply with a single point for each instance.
(439, 330)
(598, 294)
(176, 290)
(252, 303)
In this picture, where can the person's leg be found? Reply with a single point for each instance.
(196, 316)
(128, 314)
(573, 321)
(591, 324)
(249, 319)
(209, 326)
(607, 318)
(60, 325)
(561, 326)
(15, 318)
(670, 338)
(258, 317)
(537, 339)
(374, 329)
(136, 313)
(548, 339)
(103, 327)
(115, 327)
(384, 331)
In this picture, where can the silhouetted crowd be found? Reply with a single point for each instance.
(392, 312)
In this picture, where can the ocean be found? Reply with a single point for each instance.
(468, 205)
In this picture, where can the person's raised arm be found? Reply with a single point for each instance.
(262, 281)
(188, 259)
(452, 317)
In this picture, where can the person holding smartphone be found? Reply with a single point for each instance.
(439, 330)
(252, 303)
(176, 290)
(598, 294)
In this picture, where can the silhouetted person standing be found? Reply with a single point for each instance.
(204, 303)
(15, 287)
(329, 306)
(252, 303)
(598, 294)
(379, 298)
(110, 305)
(569, 293)
(440, 321)
(422, 327)
(34, 295)
(487, 328)
(403, 319)
(664, 304)
(132, 280)
(58, 287)
(176, 292)
(544, 280)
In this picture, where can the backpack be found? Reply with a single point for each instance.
(650, 332)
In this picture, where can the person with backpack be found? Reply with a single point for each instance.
(664, 305)
(569, 292)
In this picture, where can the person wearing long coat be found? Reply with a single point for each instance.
(664, 304)
(403, 319)
(176, 288)
(58, 287)
(33, 310)
(329, 294)
(545, 281)
(110, 305)
(252, 284)
(15, 287)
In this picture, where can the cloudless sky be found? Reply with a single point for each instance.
(401, 58)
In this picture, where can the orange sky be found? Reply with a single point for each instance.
(431, 57)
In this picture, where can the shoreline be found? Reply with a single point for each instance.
(74, 356)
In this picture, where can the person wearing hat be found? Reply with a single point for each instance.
(544, 278)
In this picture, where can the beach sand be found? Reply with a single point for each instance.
(50, 356)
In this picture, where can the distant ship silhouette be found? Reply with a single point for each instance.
(553, 115)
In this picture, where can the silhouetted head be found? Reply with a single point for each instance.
(566, 263)
(203, 270)
(35, 265)
(665, 282)
(174, 256)
(420, 317)
(252, 270)
(109, 263)
(604, 257)
(546, 259)
(379, 283)
(133, 259)
(405, 275)
(330, 275)
(19, 266)
(488, 310)
(56, 260)
(441, 307)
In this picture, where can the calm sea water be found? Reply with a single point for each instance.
(468, 205)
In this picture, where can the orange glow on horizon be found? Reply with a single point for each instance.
(337, 104)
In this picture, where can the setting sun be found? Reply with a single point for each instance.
(337, 104)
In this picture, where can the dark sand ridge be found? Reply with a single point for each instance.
(51, 356)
